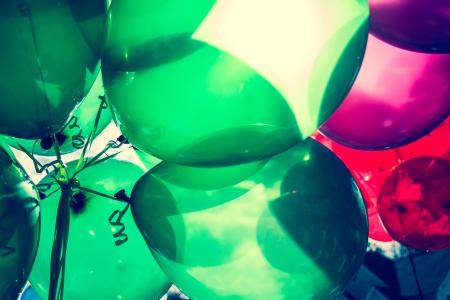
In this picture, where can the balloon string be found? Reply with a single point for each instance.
(102, 194)
(416, 277)
(57, 150)
(58, 256)
(38, 167)
(90, 139)
(97, 159)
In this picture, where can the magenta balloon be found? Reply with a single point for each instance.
(398, 97)
(416, 25)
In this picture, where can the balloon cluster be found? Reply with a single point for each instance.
(244, 204)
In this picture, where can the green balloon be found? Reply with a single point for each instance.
(147, 160)
(103, 261)
(206, 82)
(19, 226)
(74, 134)
(293, 227)
(47, 62)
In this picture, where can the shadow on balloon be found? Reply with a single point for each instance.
(343, 74)
(222, 147)
(413, 25)
(151, 54)
(168, 182)
(305, 213)
(293, 226)
(19, 236)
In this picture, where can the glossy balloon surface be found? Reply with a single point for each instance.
(292, 227)
(398, 97)
(371, 168)
(147, 160)
(416, 25)
(19, 227)
(414, 203)
(74, 134)
(96, 267)
(47, 62)
(225, 82)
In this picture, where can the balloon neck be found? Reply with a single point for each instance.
(47, 142)
(78, 202)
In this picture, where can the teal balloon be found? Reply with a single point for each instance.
(292, 227)
(146, 159)
(75, 133)
(214, 83)
(48, 62)
(19, 226)
(106, 258)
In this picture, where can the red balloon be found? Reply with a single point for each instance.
(414, 203)
(372, 168)
(398, 97)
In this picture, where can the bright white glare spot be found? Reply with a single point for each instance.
(281, 41)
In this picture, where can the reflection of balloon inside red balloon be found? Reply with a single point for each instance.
(414, 203)
(371, 168)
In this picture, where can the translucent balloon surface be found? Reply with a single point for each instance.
(225, 82)
(414, 203)
(399, 96)
(19, 226)
(372, 168)
(417, 25)
(292, 227)
(74, 134)
(107, 258)
(48, 62)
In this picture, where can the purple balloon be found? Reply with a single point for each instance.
(416, 25)
(397, 97)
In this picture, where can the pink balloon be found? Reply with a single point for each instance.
(416, 25)
(398, 97)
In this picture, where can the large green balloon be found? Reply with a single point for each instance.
(206, 82)
(102, 262)
(19, 227)
(74, 135)
(293, 227)
(48, 62)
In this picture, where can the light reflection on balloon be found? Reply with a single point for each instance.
(292, 227)
(227, 82)
(414, 203)
(19, 226)
(47, 63)
(416, 25)
(398, 97)
(75, 133)
(106, 257)
(371, 168)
